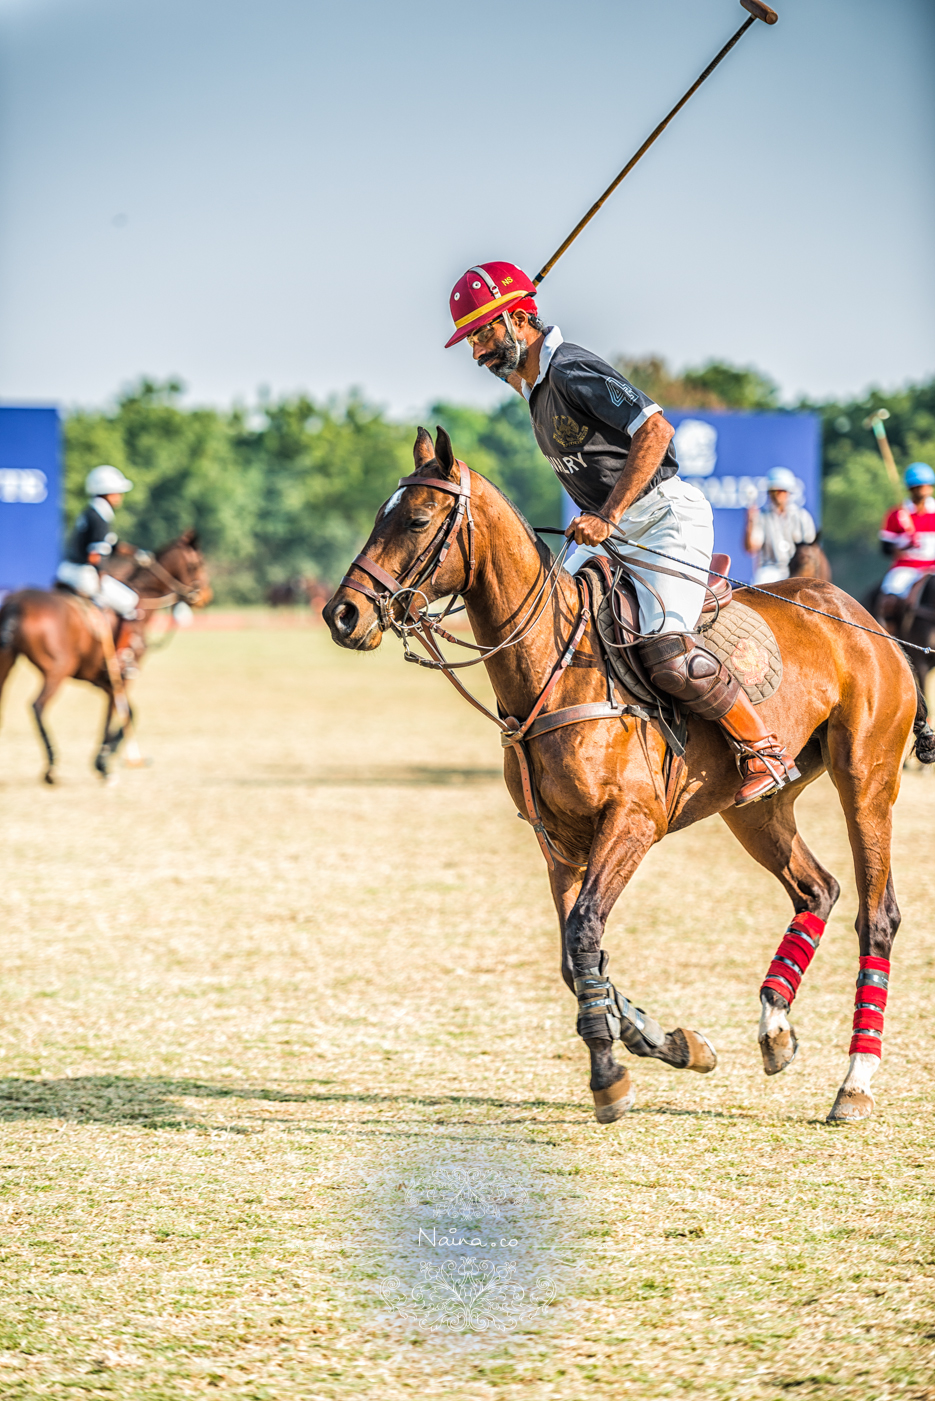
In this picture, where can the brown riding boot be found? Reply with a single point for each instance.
(764, 764)
(126, 646)
(680, 664)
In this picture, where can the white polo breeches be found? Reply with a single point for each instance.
(676, 520)
(899, 580)
(103, 588)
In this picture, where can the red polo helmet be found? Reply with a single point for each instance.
(486, 292)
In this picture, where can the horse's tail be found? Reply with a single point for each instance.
(9, 625)
(925, 735)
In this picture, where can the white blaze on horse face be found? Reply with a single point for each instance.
(393, 502)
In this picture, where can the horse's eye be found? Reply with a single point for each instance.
(419, 523)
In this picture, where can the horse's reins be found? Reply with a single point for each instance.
(177, 590)
(514, 733)
(735, 583)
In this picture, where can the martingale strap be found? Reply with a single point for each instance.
(515, 734)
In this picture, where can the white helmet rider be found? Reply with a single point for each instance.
(780, 479)
(106, 480)
(93, 539)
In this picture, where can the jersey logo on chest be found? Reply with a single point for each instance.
(566, 432)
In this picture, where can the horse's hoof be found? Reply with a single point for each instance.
(779, 1049)
(111, 779)
(49, 777)
(613, 1103)
(850, 1106)
(702, 1055)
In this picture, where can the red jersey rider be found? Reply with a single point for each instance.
(909, 533)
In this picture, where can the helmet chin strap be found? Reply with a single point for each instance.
(518, 345)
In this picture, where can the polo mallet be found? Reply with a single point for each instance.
(875, 422)
(757, 10)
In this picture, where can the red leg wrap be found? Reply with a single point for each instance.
(869, 1006)
(795, 953)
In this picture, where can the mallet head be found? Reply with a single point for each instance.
(760, 11)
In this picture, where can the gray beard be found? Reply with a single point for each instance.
(506, 360)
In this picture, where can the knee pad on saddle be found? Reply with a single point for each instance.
(605, 1014)
(680, 664)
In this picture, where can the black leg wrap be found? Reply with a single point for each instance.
(605, 1014)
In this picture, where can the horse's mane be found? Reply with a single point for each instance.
(189, 539)
(545, 554)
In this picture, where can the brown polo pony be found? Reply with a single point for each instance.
(60, 634)
(848, 704)
(911, 620)
(810, 562)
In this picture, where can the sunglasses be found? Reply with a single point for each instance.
(482, 335)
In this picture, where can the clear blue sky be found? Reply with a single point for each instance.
(281, 192)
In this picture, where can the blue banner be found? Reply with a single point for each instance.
(727, 455)
(30, 497)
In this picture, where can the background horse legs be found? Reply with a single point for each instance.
(604, 1015)
(110, 740)
(7, 662)
(51, 682)
(768, 832)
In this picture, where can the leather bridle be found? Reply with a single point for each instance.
(514, 734)
(187, 593)
(426, 566)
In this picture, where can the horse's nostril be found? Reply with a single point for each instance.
(344, 618)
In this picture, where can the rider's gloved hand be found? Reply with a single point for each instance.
(143, 558)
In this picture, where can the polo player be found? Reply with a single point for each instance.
(773, 533)
(94, 540)
(909, 533)
(611, 448)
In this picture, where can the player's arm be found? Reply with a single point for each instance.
(647, 449)
(754, 536)
(897, 531)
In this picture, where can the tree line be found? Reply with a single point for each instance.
(290, 487)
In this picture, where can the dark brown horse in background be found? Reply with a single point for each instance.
(848, 705)
(810, 562)
(64, 635)
(910, 619)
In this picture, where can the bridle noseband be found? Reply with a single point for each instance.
(426, 566)
(186, 593)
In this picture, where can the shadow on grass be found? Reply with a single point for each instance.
(154, 1101)
(157, 1102)
(379, 776)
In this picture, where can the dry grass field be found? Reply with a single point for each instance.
(267, 1001)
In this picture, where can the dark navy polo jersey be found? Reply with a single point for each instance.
(584, 414)
(91, 530)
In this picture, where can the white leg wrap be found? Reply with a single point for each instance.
(772, 1019)
(860, 1072)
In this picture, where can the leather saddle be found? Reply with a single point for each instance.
(625, 607)
(615, 609)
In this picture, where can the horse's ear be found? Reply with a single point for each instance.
(189, 537)
(423, 451)
(444, 452)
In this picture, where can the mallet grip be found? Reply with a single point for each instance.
(760, 11)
